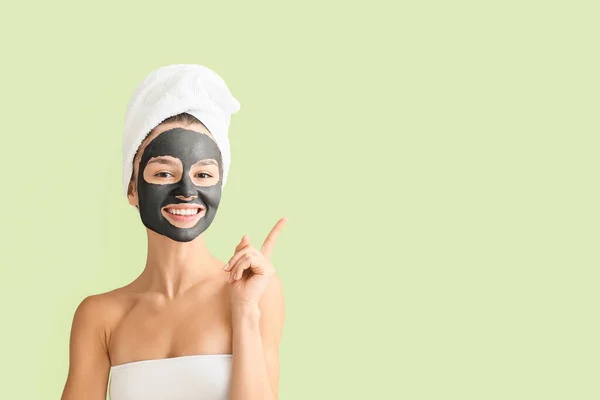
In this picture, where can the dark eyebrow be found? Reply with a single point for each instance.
(207, 162)
(166, 161)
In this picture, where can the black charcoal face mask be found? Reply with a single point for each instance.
(189, 147)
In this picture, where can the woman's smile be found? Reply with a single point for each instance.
(183, 215)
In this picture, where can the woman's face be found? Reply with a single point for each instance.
(178, 181)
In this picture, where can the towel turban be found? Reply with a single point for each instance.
(172, 90)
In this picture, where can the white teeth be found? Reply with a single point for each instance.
(183, 211)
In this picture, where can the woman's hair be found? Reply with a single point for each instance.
(183, 118)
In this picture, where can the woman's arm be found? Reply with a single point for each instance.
(89, 364)
(257, 330)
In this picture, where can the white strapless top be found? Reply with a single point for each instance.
(195, 377)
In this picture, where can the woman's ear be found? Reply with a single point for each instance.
(132, 195)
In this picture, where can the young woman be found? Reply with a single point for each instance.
(190, 326)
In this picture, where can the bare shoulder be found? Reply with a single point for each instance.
(105, 308)
(97, 315)
(89, 361)
(97, 305)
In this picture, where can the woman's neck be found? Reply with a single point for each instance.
(174, 267)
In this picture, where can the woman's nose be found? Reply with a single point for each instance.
(186, 198)
(186, 189)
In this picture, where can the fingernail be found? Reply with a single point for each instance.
(226, 265)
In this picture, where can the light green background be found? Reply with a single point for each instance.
(437, 161)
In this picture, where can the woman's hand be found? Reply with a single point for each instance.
(250, 269)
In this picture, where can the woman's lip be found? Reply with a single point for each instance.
(184, 206)
(184, 218)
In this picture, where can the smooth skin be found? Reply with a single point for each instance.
(185, 302)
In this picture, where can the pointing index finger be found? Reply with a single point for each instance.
(267, 247)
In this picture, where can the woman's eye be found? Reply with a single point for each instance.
(203, 173)
(163, 174)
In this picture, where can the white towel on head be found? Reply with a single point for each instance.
(175, 89)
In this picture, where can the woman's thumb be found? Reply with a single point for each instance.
(243, 243)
